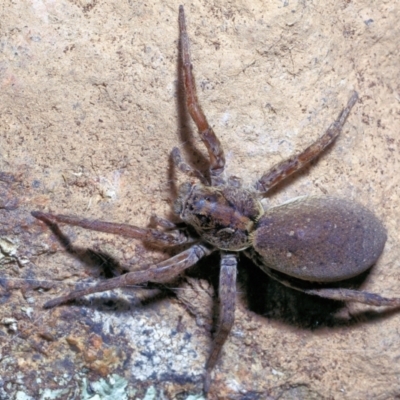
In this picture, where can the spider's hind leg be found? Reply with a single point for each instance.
(338, 294)
(207, 135)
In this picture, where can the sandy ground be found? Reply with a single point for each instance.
(90, 109)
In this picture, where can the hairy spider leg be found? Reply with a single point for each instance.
(226, 317)
(288, 167)
(185, 168)
(207, 135)
(357, 296)
(162, 272)
(149, 235)
(339, 294)
(164, 223)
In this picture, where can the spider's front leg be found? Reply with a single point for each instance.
(162, 272)
(215, 152)
(185, 168)
(227, 298)
(288, 167)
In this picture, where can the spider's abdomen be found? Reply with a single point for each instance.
(319, 239)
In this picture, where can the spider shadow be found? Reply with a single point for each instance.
(273, 301)
(269, 298)
(108, 267)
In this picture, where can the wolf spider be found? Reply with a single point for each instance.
(313, 239)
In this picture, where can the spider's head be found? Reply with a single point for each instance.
(223, 216)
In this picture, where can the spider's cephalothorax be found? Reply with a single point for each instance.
(224, 216)
(313, 239)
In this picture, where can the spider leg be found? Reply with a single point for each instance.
(234, 181)
(339, 294)
(185, 168)
(154, 236)
(227, 297)
(164, 223)
(285, 168)
(162, 272)
(358, 296)
(207, 135)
